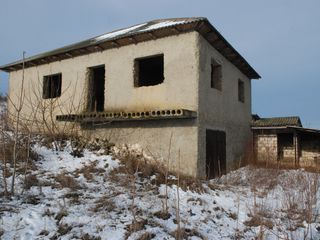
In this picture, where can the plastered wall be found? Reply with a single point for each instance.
(221, 110)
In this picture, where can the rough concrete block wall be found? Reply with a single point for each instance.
(310, 153)
(288, 152)
(266, 147)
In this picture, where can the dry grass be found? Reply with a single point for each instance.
(135, 162)
(146, 236)
(67, 181)
(90, 170)
(63, 229)
(30, 181)
(104, 203)
(89, 237)
(186, 233)
(135, 226)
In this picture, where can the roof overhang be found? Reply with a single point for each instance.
(290, 128)
(140, 33)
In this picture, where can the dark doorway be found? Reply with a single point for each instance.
(215, 153)
(96, 89)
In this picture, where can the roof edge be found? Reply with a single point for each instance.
(156, 29)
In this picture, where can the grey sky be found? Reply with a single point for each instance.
(279, 38)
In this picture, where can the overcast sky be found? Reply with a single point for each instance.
(279, 38)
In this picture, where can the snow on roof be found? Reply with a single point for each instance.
(118, 32)
(144, 27)
(162, 24)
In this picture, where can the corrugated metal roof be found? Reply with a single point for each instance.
(276, 122)
(138, 33)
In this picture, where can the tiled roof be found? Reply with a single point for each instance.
(276, 122)
(139, 33)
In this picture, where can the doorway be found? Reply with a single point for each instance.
(215, 153)
(96, 89)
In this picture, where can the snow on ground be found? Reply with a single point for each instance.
(85, 198)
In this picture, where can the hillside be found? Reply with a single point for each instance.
(94, 196)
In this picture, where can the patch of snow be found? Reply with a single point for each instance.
(118, 33)
(162, 25)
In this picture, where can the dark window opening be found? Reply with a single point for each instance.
(52, 86)
(240, 90)
(148, 71)
(285, 142)
(96, 89)
(216, 75)
(215, 153)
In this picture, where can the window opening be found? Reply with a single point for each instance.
(96, 89)
(52, 86)
(240, 90)
(216, 75)
(148, 71)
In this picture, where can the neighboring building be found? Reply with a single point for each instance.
(166, 84)
(284, 140)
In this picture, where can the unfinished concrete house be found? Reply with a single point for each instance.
(165, 84)
(284, 140)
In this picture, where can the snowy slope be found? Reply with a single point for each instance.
(85, 198)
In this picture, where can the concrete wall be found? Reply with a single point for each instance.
(154, 138)
(179, 90)
(221, 110)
